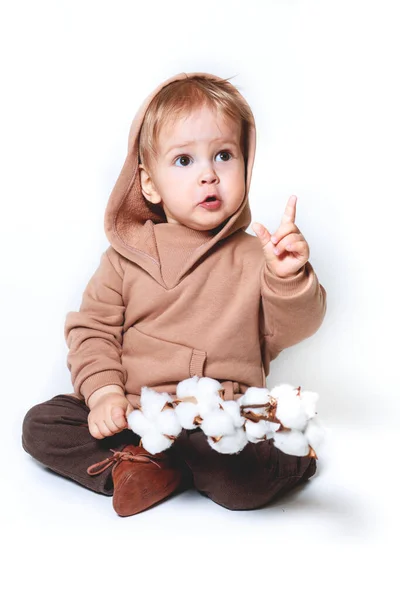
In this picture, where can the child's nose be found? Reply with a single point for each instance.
(209, 176)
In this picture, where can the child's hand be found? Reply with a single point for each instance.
(293, 250)
(108, 416)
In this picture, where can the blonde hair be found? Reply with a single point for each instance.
(181, 97)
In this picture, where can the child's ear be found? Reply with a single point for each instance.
(148, 189)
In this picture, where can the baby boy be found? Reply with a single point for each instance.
(182, 290)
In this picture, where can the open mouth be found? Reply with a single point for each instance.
(211, 202)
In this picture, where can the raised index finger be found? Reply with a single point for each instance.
(290, 211)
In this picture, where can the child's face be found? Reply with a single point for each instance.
(211, 164)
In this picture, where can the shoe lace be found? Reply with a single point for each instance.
(117, 457)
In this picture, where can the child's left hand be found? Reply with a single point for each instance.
(286, 251)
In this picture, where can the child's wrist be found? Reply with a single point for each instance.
(290, 276)
(94, 398)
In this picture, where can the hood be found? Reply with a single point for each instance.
(129, 220)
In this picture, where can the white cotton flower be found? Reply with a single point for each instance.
(257, 432)
(207, 395)
(152, 440)
(254, 395)
(207, 404)
(232, 407)
(291, 414)
(187, 387)
(207, 386)
(155, 442)
(230, 444)
(139, 423)
(282, 390)
(315, 433)
(186, 412)
(290, 411)
(309, 400)
(204, 389)
(152, 402)
(152, 423)
(217, 422)
(291, 442)
(273, 426)
(167, 422)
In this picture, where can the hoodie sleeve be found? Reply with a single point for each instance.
(293, 309)
(94, 334)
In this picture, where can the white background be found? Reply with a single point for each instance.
(322, 79)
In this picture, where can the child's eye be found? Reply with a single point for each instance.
(226, 153)
(186, 157)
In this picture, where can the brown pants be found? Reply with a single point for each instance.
(56, 434)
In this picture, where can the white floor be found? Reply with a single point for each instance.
(336, 535)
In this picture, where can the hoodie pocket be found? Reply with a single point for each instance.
(152, 361)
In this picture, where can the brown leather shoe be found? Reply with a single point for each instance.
(140, 479)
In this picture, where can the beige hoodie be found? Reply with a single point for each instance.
(168, 302)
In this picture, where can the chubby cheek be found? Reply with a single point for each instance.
(170, 188)
(238, 180)
(176, 182)
(176, 195)
(239, 189)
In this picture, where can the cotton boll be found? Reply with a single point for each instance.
(151, 421)
(207, 403)
(272, 427)
(187, 387)
(256, 432)
(232, 407)
(254, 395)
(152, 402)
(217, 422)
(155, 442)
(167, 422)
(291, 442)
(284, 389)
(139, 423)
(152, 439)
(207, 395)
(230, 444)
(290, 412)
(314, 433)
(186, 412)
(308, 401)
(207, 386)
(204, 389)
